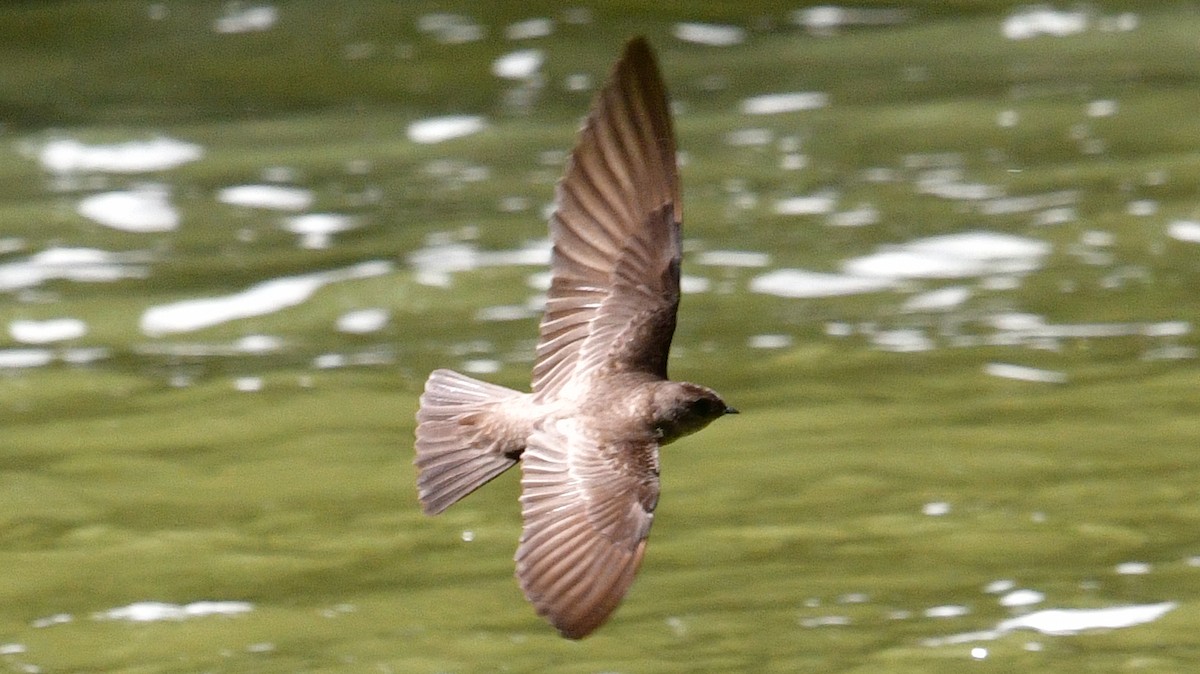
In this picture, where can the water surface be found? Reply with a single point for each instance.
(943, 256)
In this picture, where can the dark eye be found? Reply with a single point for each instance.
(703, 407)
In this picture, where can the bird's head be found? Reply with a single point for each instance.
(681, 409)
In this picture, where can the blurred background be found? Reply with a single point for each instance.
(944, 256)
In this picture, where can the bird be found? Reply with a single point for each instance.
(588, 434)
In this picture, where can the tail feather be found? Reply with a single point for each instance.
(460, 442)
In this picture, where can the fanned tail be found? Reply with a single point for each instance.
(460, 443)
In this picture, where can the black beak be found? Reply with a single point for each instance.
(731, 410)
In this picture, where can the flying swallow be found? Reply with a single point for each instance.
(588, 435)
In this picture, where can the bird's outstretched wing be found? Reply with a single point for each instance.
(587, 508)
(616, 235)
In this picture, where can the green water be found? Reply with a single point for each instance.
(863, 494)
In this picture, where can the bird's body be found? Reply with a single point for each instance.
(588, 434)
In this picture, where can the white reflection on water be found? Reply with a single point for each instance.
(770, 341)
(825, 20)
(263, 298)
(1018, 328)
(316, 230)
(72, 264)
(362, 321)
(714, 35)
(1142, 207)
(1104, 107)
(733, 258)
(799, 283)
(950, 187)
(146, 208)
(529, 28)
(1184, 230)
(259, 344)
(772, 104)
(66, 155)
(450, 28)
(1025, 373)
(1000, 586)
(1064, 622)
(435, 264)
(936, 509)
(1028, 23)
(942, 299)
(239, 19)
(254, 345)
(1073, 621)
(690, 285)
(481, 366)
(22, 358)
(439, 129)
(946, 611)
(248, 384)
(153, 611)
(47, 331)
(813, 204)
(1022, 598)
(1132, 569)
(825, 621)
(861, 216)
(1042, 20)
(1029, 202)
(149, 611)
(506, 312)
(368, 358)
(953, 256)
(904, 340)
(51, 620)
(272, 197)
(519, 65)
(749, 137)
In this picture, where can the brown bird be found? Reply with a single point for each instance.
(588, 435)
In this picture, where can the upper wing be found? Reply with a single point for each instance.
(587, 509)
(615, 261)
